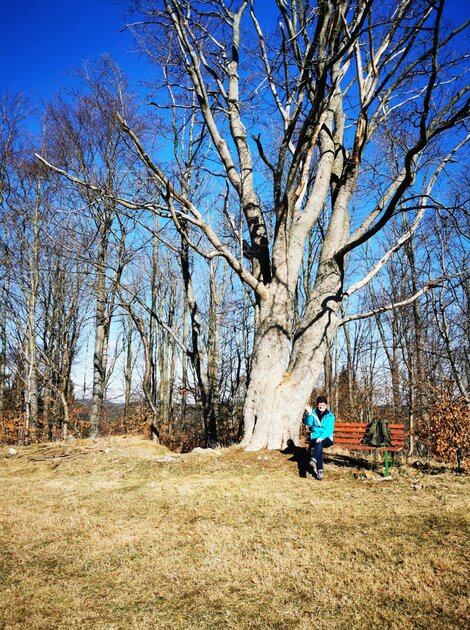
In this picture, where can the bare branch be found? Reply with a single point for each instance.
(402, 240)
(432, 284)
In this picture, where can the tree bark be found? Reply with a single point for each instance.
(127, 373)
(31, 382)
(284, 368)
(3, 336)
(100, 355)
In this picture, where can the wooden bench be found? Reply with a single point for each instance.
(348, 435)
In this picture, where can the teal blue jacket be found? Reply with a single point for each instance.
(323, 428)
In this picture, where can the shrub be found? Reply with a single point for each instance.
(446, 429)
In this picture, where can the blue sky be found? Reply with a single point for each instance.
(43, 41)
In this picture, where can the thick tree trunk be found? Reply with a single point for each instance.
(284, 370)
(276, 397)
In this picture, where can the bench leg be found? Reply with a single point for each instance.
(386, 462)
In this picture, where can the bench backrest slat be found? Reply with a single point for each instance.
(351, 433)
(363, 425)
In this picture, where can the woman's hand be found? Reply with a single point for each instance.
(308, 408)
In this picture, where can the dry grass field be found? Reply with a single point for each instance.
(120, 533)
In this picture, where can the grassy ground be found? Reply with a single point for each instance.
(120, 534)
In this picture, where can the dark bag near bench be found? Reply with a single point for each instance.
(377, 433)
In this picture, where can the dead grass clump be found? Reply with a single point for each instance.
(112, 537)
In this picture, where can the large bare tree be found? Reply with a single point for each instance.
(323, 122)
(337, 111)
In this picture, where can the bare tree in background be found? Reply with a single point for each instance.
(13, 110)
(84, 139)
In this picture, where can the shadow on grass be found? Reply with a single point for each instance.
(300, 456)
(350, 461)
(430, 468)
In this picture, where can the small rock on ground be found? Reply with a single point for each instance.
(167, 459)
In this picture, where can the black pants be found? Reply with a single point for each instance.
(316, 451)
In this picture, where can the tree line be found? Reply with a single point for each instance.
(286, 211)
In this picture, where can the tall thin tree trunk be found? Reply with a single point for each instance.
(127, 375)
(31, 383)
(184, 360)
(394, 365)
(153, 337)
(336, 372)
(3, 337)
(163, 355)
(198, 354)
(101, 338)
(328, 371)
(418, 383)
(349, 369)
(171, 384)
(147, 380)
